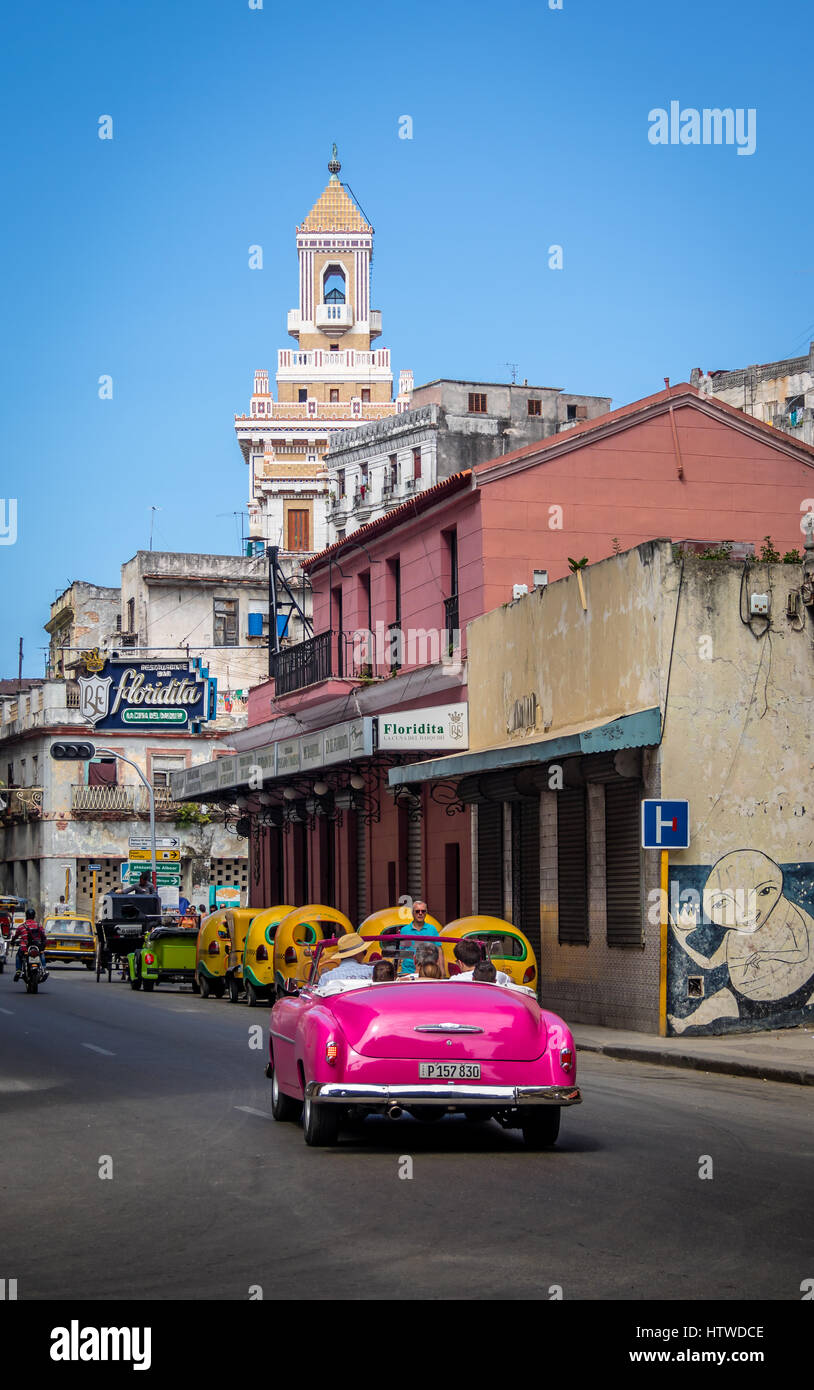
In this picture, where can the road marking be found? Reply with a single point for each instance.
(10, 1012)
(93, 1048)
(250, 1110)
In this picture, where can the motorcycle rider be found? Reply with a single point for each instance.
(29, 934)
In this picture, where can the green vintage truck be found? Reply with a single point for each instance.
(167, 957)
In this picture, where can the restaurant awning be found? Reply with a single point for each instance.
(641, 729)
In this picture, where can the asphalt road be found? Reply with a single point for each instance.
(210, 1197)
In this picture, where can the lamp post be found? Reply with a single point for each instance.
(111, 753)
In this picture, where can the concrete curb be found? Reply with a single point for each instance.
(759, 1071)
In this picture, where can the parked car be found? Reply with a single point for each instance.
(258, 954)
(238, 921)
(426, 1046)
(212, 954)
(505, 945)
(70, 938)
(296, 937)
(167, 957)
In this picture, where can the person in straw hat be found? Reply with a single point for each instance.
(348, 953)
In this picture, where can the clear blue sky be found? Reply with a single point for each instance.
(130, 256)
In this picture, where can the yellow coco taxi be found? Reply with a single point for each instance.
(508, 948)
(238, 920)
(212, 954)
(258, 954)
(297, 934)
(70, 937)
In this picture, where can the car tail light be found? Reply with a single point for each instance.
(566, 1059)
(262, 953)
(529, 975)
(214, 948)
(331, 1049)
(290, 956)
(149, 959)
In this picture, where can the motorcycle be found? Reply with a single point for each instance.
(33, 969)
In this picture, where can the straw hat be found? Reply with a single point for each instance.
(350, 945)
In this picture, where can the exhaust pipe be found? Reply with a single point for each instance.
(393, 1112)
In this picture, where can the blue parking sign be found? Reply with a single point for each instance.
(665, 824)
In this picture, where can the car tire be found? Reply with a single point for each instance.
(218, 989)
(234, 990)
(320, 1123)
(283, 1107)
(149, 985)
(540, 1126)
(135, 984)
(90, 965)
(251, 995)
(205, 986)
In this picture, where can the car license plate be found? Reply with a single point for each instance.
(449, 1071)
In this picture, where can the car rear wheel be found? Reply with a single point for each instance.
(320, 1123)
(283, 1107)
(541, 1126)
(135, 984)
(148, 986)
(251, 995)
(206, 988)
(218, 989)
(234, 990)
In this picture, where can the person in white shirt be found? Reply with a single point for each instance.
(468, 955)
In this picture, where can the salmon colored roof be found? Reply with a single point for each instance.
(412, 507)
(680, 394)
(335, 211)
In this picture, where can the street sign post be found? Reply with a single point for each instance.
(665, 826)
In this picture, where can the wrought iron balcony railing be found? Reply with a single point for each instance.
(307, 662)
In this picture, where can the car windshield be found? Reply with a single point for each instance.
(67, 926)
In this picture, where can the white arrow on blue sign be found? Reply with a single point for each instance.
(665, 824)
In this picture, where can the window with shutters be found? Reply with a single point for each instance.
(623, 864)
(477, 403)
(225, 622)
(163, 764)
(299, 531)
(526, 869)
(572, 867)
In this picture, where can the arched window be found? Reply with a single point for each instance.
(333, 285)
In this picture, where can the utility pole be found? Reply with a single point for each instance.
(153, 511)
(20, 669)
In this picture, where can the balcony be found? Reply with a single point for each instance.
(21, 803)
(334, 318)
(121, 801)
(306, 663)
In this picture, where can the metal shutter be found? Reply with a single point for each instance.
(414, 875)
(572, 867)
(490, 859)
(623, 864)
(526, 870)
(361, 868)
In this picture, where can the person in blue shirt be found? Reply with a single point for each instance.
(418, 927)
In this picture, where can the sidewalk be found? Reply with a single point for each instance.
(787, 1055)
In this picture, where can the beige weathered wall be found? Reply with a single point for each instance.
(581, 665)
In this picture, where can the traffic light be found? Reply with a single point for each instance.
(73, 752)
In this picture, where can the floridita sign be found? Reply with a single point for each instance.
(440, 726)
(148, 695)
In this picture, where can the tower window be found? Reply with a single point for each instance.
(302, 394)
(477, 403)
(334, 347)
(298, 529)
(333, 285)
(535, 407)
(416, 463)
(334, 395)
(365, 395)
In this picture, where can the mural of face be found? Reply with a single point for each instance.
(742, 889)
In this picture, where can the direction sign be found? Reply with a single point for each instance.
(161, 842)
(166, 874)
(665, 824)
(162, 856)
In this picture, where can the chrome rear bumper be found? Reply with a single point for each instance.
(459, 1096)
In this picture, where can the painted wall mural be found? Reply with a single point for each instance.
(741, 949)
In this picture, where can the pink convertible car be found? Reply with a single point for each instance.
(428, 1046)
